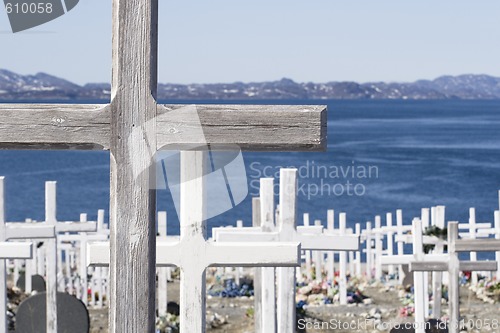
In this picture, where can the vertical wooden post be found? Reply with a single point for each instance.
(472, 232)
(28, 272)
(318, 258)
(497, 236)
(99, 270)
(40, 260)
(61, 277)
(390, 241)
(418, 249)
(268, 319)
(3, 273)
(368, 244)
(83, 263)
(50, 218)
(192, 221)
(342, 263)
(351, 261)
(257, 278)
(437, 277)
(399, 224)
(378, 248)
(67, 260)
(425, 224)
(17, 265)
(330, 225)
(286, 275)
(133, 145)
(358, 253)
(307, 252)
(453, 286)
(162, 271)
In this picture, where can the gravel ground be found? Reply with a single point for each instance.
(385, 302)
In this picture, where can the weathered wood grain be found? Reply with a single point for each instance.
(51, 219)
(132, 146)
(87, 126)
(251, 127)
(479, 245)
(54, 126)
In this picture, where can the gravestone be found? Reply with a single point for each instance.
(72, 315)
(37, 283)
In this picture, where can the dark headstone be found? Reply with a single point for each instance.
(173, 308)
(431, 326)
(37, 283)
(72, 315)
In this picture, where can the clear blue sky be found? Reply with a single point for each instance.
(256, 40)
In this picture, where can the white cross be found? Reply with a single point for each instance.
(133, 127)
(287, 231)
(46, 230)
(451, 263)
(419, 281)
(193, 253)
(8, 250)
(475, 230)
(82, 238)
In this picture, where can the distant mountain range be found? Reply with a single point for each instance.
(43, 86)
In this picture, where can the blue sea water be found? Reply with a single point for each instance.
(405, 155)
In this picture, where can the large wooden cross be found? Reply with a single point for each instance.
(115, 126)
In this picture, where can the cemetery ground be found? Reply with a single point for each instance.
(386, 304)
(385, 301)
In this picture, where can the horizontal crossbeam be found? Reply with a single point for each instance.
(87, 126)
(436, 266)
(251, 127)
(320, 242)
(54, 126)
(29, 231)
(237, 254)
(406, 259)
(431, 240)
(477, 245)
(16, 250)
